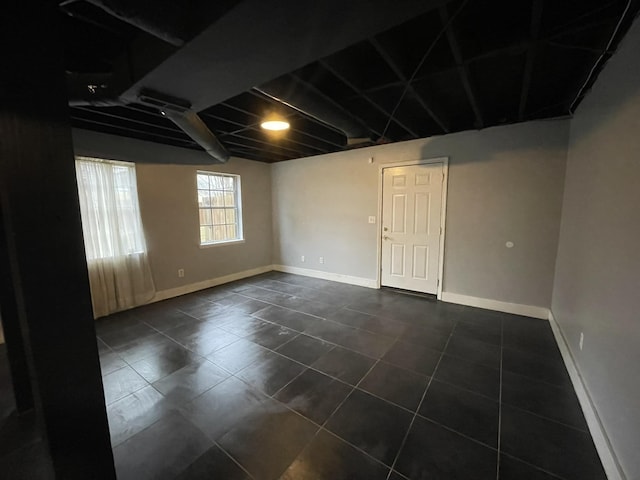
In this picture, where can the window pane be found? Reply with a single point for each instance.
(218, 216)
(216, 182)
(206, 234)
(229, 199)
(203, 198)
(205, 216)
(217, 199)
(228, 183)
(203, 182)
(231, 232)
(219, 233)
(231, 216)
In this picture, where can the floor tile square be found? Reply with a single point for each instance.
(161, 451)
(344, 364)
(213, 464)
(267, 444)
(370, 323)
(210, 342)
(190, 381)
(271, 374)
(466, 412)
(433, 452)
(397, 385)
(221, 408)
(474, 351)
(425, 337)
(537, 367)
(556, 403)
(110, 361)
(555, 448)
(314, 395)
(135, 412)
(121, 383)
(367, 343)
(305, 349)
(163, 320)
(117, 338)
(371, 424)
(480, 332)
(271, 335)
(413, 357)
(329, 458)
(297, 321)
(164, 362)
(512, 469)
(470, 376)
(236, 356)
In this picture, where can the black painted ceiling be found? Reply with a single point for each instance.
(460, 65)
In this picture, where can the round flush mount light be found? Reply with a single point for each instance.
(275, 124)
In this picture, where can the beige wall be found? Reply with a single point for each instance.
(505, 184)
(597, 286)
(169, 209)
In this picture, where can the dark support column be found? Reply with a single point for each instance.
(12, 333)
(43, 234)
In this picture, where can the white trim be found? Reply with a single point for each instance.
(598, 433)
(334, 277)
(497, 305)
(443, 214)
(212, 282)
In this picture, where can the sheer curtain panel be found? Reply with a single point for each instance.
(119, 272)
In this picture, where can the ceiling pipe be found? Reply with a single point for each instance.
(192, 125)
(162, 19)
(314, 104)
(178, 111)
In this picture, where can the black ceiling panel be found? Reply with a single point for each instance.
(462, 64)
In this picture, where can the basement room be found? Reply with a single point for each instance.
(363, 240)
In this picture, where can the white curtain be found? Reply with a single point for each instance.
(119, 272)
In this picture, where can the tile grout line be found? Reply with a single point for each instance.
(424, 394)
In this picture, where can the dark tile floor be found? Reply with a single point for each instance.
(283, 376)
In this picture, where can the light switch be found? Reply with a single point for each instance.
(372, 219)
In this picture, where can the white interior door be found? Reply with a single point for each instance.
(411, 213)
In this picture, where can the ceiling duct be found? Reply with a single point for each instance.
(178, 111)
(313, 104)
(162, 19)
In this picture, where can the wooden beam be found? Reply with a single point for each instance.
(462, 67)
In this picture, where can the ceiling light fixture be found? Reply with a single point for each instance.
(275, 124)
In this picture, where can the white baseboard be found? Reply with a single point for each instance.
(212, 282)
(598, 433)
(335, 277)
(515, 308)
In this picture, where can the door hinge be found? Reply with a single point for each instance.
(438, 283)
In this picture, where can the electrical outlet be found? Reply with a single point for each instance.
(321, 259)
(372, 219)
(181, 273)
(581, 340)
(302, 258)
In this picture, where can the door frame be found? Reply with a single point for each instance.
(443, 213)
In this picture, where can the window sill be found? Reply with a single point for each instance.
(221, 244)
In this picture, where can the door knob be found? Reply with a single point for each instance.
(385, 229)
(385, 238)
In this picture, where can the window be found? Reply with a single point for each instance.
(109, 207)
(219, 202)
(117, 262)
